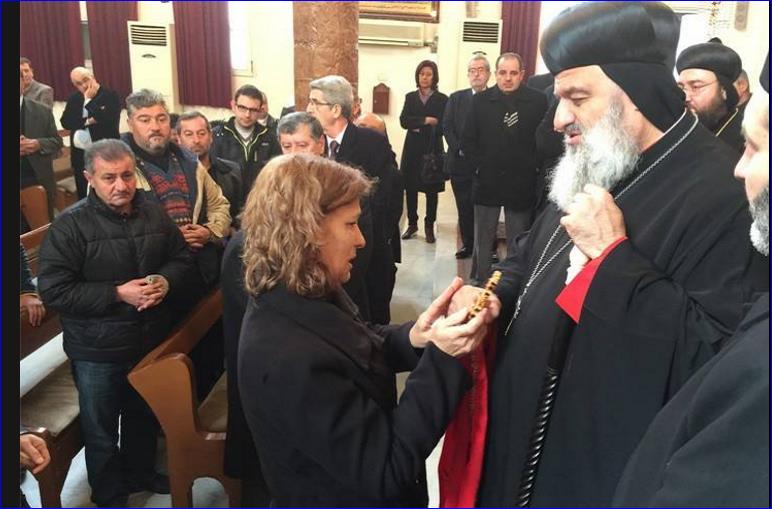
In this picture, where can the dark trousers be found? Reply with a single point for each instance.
(105, 395)
(80, 182)
(411, 197)
(462, 190)
(379, 280)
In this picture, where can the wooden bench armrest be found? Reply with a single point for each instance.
(169, 387)
(190, 331)
(31, 338)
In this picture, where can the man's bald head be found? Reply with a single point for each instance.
(82, 78)
(371, 121)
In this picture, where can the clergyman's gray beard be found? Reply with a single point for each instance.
(760, 227)
(605, 157)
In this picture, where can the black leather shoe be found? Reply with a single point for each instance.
(495, 257)
(412, 229)
(464, 252)
(429, 229)
(158, 483)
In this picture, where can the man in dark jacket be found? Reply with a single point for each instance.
(241, 460)
(243, 139)
(457, 165)
(107, 266)
(39, 142)
(330, 100)
(195, 134)
(91, 114)
(499, 141)
(709, 446)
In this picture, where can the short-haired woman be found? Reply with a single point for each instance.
(422, 117)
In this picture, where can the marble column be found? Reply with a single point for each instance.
(325, 43)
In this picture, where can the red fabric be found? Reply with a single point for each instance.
(520, 31)
(49, 35)
(202, 35)
(109, 41)
(463, 450)
(571, 299)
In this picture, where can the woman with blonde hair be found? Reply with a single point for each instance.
(317, 383)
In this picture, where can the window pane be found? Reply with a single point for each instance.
(239, 35)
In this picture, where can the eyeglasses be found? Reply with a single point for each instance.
(476, 70)
(695, 89)
(316, 104)
(244, 109)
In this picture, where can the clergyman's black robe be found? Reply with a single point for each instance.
(659, 306)
(709, 446)
(729, 130)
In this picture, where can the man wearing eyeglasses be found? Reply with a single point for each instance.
(707, 73)
(457, 165)
(499, 141)
(243, 139)
(331, 100)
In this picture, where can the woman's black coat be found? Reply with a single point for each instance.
(318, 390)
(421, 139)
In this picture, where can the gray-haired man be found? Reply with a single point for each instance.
(108, 265)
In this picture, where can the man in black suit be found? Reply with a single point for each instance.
(460, 169)
(331, 99)
(38, 144)
(91, 114)
(499, 140)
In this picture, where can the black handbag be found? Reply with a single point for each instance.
(432, 165)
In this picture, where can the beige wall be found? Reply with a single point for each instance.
(271, 41)
(271, 35)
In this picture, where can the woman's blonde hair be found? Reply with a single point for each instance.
(282, 220)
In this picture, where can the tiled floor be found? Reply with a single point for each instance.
(426, 269)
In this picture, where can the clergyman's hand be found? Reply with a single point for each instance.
(593, 221)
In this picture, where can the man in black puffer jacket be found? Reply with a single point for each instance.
(108, 265)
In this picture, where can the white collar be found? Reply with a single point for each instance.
(338, 138)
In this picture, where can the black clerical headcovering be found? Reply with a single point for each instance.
(764, 78)
(722, 60)
(634, 43)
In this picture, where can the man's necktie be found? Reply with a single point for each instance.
(334, 146)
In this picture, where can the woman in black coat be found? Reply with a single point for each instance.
(422, 117)
(316, 382)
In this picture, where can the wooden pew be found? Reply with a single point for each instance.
(50, 409)
(31, 242)
(33, 204)
(195, 433)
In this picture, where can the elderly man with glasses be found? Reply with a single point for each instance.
(243, 139)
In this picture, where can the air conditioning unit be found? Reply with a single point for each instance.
(477, 36)
(153, 59)
(391, 33)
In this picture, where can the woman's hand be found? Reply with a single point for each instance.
(466, 297)
(455, 336)
(449, 333)
(430, 121)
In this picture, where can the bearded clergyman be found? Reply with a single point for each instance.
(706, 74)
(632, 278)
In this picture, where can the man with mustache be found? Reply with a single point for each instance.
(707, 73)
(195, 134)
(710, 445)
(630, 280)
(177, 180)
(110, 265)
